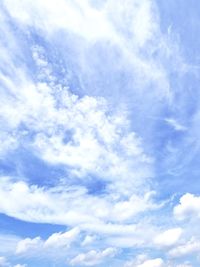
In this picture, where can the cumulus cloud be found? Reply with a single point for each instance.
(28, 244)
(60, 205)
(55, 241)
(152, 263)
(158, 262)
(62, 239)
(93, 257)
(189, 207)
(168, 237)
(88, 240)
(190, 247)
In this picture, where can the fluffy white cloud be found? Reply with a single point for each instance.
(158, 262)
(55, 241)
(93, 257)
(188, 248)
(28, 244)
(97, 144)
(168, 237)
(67, 206)
(189, 207)
(62, 239)
(90, 22)
(86, 21)
(152, 263)
(88, 240)
(81, 133)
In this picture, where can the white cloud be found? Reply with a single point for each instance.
(99, 144)
(57, 241)
(188, 248)
(89, 23)
(68, 206)
(62, 239)
(168, 237)
(87, 135)
(189, 207)
(28, 244)
(133, 25)
(152, 263)
(176, 125)
(88, 240)
(93, 257)
(158, 262)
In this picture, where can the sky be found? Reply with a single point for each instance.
(99, 133)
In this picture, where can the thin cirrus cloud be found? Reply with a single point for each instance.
(83, 84)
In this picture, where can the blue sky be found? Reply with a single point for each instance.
(99, 118)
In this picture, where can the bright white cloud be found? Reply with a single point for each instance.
(152, 263)
(158, 262)
(88, 240)
(168, 237)
(87, 21)
(189, 207)
(99, 144)
(28, 244)
(67, 206)
(62, 239)
(187, 248)
(93, 257)
(57, 241)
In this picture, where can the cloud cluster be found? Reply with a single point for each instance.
(55, 241)
(87, 92)
(93, 257)
(189, 207)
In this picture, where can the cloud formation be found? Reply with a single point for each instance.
(97, 135)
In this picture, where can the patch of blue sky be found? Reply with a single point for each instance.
(12, 226)
(182, 20)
